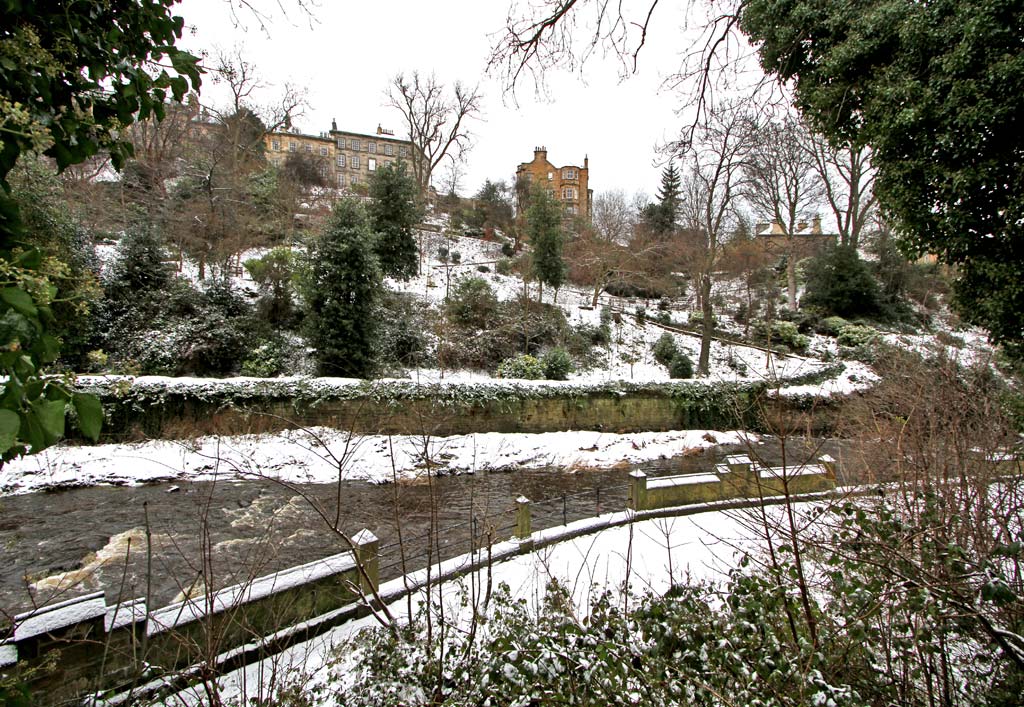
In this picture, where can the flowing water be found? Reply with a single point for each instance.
(162, 539)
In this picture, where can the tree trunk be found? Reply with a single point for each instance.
(704, 361)
(597, 293)
(791, 276)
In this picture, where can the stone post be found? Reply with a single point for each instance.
(637, 500)
(366, 554)
(523, 529)
(742, 472)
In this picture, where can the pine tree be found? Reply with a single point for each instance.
(342, 286)
(662, 216)
(544, 228)
(393, 213)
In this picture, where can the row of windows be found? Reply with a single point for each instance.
(371, 147)
(387, 148)
(567, 173)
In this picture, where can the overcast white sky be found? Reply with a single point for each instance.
(346, 58)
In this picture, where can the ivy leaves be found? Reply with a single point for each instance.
(71, 77)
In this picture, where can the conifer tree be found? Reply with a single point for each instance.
(544, 228)
(662, 216)
(342, 286)
(393, 213)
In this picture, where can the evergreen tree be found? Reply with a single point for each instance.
(393, 213)
(662, 216)
(544, 228)
(839, 282)
(342, 287)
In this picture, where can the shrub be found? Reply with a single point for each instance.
(472, 303)
(781, 333)
(503, 267)
(665, 349)
(266, 360)
(522, 366)
(507, 249)
(640, 314)
(557, 364)
(482, 268)
(830, 326)
(403, 330)
(839, 282)
(856, 335)
(697, 319)
(680, 366)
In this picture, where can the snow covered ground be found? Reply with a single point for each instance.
(312, 457)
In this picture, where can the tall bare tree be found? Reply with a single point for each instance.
(437, 120)
(847, 179)
(783, 183)
(715, 160)
(220, 216)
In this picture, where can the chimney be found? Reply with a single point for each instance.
(801, 225)
(586, 162)
(816, 225)
(380, 130)
(334, 125)
(540, 153)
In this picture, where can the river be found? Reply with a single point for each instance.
(63, 543)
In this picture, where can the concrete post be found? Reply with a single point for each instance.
(743, 475)
(637, 500)
(366, 552)
(829, 463)
(523, 529)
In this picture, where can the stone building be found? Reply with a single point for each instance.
(569, 184)
(346, 159)
(808, 238)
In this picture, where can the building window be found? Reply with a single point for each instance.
(355, 180)
(569, 173)
(275, 145)
(571, 209)
(551, 175)
(293, 146)
(308, 148)
(340, 161)
(341, 181)
(321, 169)
(355, 145)
(371, 164)
(341, 143)
(403, 151)
(323, 151)
(371, 148)
(569, 193)
(551, 193)
(389, 149)
(355, 161)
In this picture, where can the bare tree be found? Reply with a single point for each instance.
(436, 121)
(546, 34)
(847, 179)
(783, 183)
(221, 217)
(715, 160)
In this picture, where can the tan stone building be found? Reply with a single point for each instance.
(569, 184)
(808, 239)
(345, 159)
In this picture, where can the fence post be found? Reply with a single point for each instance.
(367, 554)
(637, 491)
(523, 529)
(829, 463)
